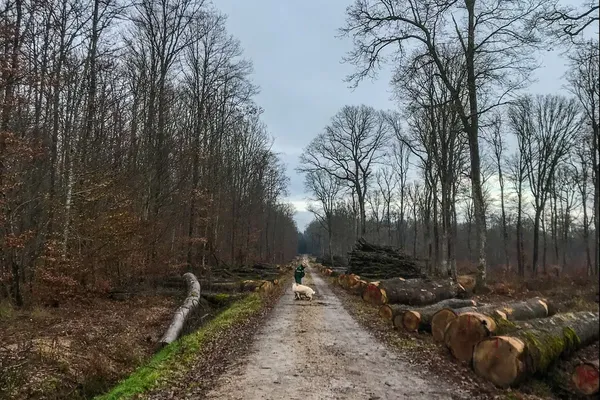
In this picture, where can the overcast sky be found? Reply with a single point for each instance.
(298, 65)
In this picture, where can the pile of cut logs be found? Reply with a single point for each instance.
(372, 261)
(504, 343)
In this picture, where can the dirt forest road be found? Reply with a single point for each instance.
(316, 350)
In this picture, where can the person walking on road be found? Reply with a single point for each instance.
(299, 274)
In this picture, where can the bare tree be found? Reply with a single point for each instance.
(581, 175)
(348, 149)
(498, 148)
(437, 140)
(584, 83)
(569, 21)
(547, 127)
(387, 185)
(401, 165)
(496, 47)
(326, 189)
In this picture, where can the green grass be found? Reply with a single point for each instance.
(7, 311)
(179, 356)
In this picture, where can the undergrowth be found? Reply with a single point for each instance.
(180, 355)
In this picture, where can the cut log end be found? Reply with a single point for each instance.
(386, 312)
(499, 359)
(464, 332)
(374, 295)
(586, 378)
(440, 321)
(411, 320)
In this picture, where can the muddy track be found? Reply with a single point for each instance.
(316, 350)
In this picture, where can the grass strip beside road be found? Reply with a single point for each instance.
(180, 355)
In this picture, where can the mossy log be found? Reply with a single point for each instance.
(585, 377)
(465, 331)
(515, 311)
(221, 299)
(415, 292)
(509, 360)
(419, 319)
(191, 302)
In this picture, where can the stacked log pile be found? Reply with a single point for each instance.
(376, 262)
(418, 292)
(419, 319)
(505, 343)
(469, 327)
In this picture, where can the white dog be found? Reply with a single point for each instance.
(302, 291)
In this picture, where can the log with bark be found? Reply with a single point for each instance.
(467, 329)
(382, 262)
(416, 292)
(510, 359)
(518, 311)
(419, 319)
(191, 302)
(585, 377)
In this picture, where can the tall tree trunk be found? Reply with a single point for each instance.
(473, 132)
(520, 246)
(503, 216)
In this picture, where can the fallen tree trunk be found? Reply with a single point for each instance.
(419, 319)
(191, 302)
(415, 292)
(466, 330)
(509, 360)
(516, 311)
(585, 377)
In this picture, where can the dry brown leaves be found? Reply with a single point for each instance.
(78, 349)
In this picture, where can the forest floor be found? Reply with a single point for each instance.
(423, 352)
(335, 347)
(79, 349)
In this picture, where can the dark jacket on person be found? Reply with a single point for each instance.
(299, 274)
